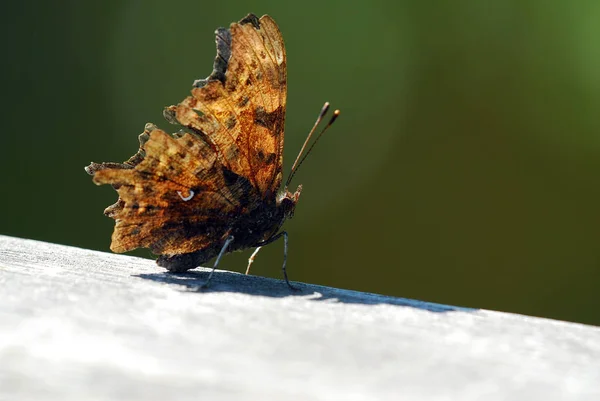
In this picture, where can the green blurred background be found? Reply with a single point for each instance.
(463, 169)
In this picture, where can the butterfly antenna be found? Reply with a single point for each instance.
(317, 122)
(298, 162)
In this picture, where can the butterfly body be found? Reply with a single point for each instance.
(251, 230)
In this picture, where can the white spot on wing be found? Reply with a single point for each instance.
(186, 198)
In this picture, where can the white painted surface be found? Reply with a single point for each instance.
(84, 325)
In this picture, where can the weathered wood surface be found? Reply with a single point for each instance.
(84, 325)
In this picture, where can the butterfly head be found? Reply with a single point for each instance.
(287, 202)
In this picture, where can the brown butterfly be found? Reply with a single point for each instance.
(213, 186)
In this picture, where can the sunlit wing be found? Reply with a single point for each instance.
(240, 108)
(174, 195)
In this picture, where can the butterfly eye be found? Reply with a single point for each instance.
(186, 198)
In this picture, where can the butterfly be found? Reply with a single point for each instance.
(212, 187)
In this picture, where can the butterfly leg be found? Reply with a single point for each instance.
(228, 241)
(285, 251)
(251, 259)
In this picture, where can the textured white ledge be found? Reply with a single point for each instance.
(84, 325)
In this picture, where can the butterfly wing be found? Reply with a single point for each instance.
(240, 108)
(174, 195)
(181, 195)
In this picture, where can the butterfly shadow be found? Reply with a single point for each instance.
(224, 281)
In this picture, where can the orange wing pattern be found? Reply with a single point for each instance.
(240, 108)
(174, 195)
(183, 194)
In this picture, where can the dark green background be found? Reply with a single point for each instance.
(463, 169)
